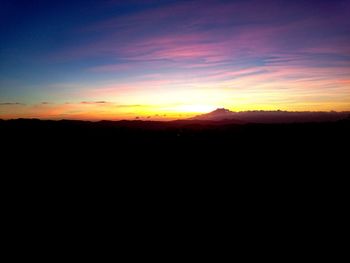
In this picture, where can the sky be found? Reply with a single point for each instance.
(167, 59)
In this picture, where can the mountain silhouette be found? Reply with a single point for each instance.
(216, 115)
(278, 116)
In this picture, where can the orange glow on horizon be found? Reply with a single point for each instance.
(169, 98)
(110, 111)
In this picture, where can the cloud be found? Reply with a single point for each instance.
(93, 102)
(11, 103)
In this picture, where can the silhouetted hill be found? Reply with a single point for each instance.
(272, 116)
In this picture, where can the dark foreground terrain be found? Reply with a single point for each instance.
(188, 139)
(247, 169)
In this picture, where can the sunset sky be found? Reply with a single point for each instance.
(114, 59)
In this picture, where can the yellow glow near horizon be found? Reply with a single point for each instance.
(114, 111)
(159, 100)
(192, 108)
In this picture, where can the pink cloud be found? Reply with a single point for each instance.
(206, 30)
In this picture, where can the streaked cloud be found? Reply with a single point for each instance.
(11, 103)
(93, 102)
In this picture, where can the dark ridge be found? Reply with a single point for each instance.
(272, 116)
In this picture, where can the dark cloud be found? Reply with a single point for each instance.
(10, 103)
(93, 102)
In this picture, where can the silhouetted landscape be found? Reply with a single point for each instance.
(242, 132)
(186, 153)
(226, 147)
(272, 116)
